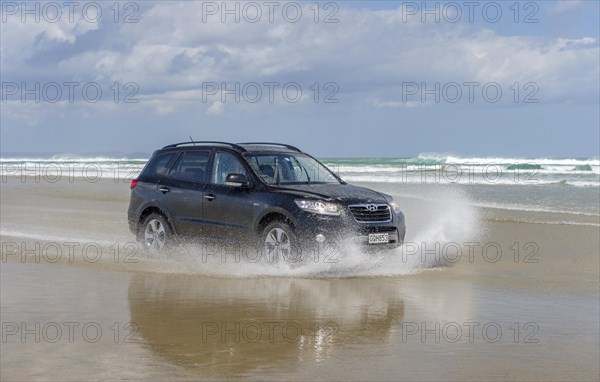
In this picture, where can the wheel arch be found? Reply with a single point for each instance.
(147, 211)
(271, 216)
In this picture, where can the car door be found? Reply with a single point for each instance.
(182, 190)
(227, 208)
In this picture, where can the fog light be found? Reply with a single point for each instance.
(320, 238)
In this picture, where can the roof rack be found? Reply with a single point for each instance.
(233, 145)
(272, 144)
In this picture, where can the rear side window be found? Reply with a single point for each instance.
(159, 165)
(191, 165)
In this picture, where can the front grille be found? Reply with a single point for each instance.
(377, 229)
(371, 213)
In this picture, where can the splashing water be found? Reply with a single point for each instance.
(431, 223)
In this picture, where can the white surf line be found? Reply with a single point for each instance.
(543, 222)
(527, 209)
(504, 207)
(54, 238)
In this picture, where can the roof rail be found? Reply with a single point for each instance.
(233, 145)
(272, 144)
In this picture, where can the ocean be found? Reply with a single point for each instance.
(517, 256)
(576, 172)
(569, 186)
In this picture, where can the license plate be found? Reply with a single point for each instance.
(378, 238)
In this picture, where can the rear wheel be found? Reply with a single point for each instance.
(156, 234)
(280, 243)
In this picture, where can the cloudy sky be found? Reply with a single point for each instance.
(335, 78)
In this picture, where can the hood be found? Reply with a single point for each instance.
(341, 192)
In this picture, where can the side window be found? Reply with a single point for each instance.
(159, 164)
(264, 165)
(226, 163)
(268, 167)
(191, 165)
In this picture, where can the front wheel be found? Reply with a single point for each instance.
(156, 235)
(279, 241)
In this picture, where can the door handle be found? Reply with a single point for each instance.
(163, 189)
(209, 197)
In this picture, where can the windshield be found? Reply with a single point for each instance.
(289, 168)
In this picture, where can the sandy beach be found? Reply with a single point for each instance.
(475, 294)
(413, 188)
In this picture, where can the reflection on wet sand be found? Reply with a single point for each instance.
(220, 327)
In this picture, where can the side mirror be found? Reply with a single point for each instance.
(237, 180)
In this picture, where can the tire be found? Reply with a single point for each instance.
(279, 243)
(156, 235)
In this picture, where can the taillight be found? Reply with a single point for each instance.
(133, 184)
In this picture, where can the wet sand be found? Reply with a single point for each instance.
(79, 301)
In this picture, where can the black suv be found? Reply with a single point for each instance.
(247, 192)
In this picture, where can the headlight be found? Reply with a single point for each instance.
(395, 207)
(318, 207)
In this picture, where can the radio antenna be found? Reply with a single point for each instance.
(192, 140)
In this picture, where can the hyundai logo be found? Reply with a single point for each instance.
(371, 207)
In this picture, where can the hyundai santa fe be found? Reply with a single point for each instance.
(271, 194)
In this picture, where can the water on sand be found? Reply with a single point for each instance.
(528, 314)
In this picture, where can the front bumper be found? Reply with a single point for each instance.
(344, 229)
